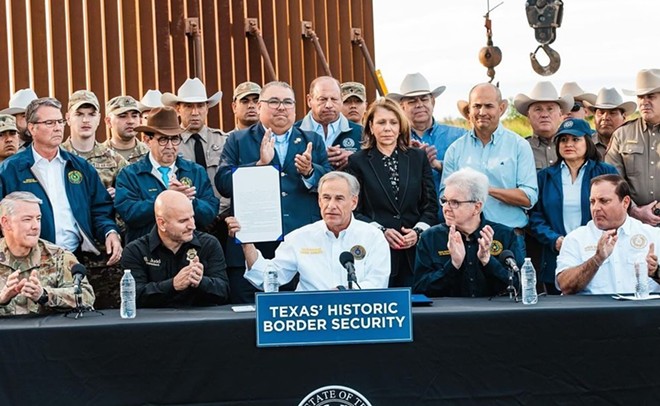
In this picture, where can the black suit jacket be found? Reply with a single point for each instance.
(416, 202)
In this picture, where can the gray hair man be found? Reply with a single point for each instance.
(460, 257)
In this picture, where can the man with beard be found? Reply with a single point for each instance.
(122, 116)
(176, 265)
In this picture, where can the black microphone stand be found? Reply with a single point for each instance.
(513, 292)
(81, 309)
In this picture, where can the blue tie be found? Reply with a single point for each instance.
(165, 172)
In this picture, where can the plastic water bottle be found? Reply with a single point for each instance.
(641, 279)
(271, 283)
(528, 281)
(127, 292)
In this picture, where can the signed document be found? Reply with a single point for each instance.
(257, 203)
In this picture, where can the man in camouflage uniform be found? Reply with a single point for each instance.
(35, 275)
(17, 104)
(122, 115)
(83, 117)
(244, 105)
(8, 136)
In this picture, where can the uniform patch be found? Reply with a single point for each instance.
(444, 253)
(358, 252)
(30, 180)
(186, 181)
(348, 143)
(312, 251)
(496, 248)
(297, 140)
(191, 254)
(75, 177)
(638, 241)
(151, 262)
(215, 147)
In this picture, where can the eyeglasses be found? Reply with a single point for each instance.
(51, 123)
(454, 204)
(276, 103)
(577, 106)
(411, 101)
(162, 141)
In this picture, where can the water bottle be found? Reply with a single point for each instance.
(528, 281)
(127, 292)
(641, 279)
(271, 283)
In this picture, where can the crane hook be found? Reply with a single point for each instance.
(553, 65)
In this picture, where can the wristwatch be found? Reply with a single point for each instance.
(419, 232)
(43, 299)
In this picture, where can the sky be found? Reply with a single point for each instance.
(602, 43)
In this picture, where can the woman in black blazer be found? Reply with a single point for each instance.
(396, 185)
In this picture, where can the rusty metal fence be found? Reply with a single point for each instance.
(114, 47)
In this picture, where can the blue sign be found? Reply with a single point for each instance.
(334, 317)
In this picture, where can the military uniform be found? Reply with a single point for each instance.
(213, 141)
(131, 155)
(634, 153)
(53, 265)
(105, 160)
(545, 151)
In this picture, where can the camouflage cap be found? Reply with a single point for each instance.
(121, 104)
(350, 89)
(82, 97)
(7, 123)
(246, 89)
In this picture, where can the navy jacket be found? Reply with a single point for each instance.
(90, 202)
(137, 189)
(436, 276)
(546, 220)
(350, 137)
(299, 204)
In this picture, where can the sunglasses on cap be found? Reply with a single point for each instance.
(577, 106)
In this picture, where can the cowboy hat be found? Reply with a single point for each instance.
(464, 109)
(542, 92)
(415, 84)
(162, 120)
(573, 89)
(19, 101)
(609, 99)
(191, 91)
(648, 81)
(150, 100)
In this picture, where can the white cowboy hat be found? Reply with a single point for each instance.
(648, 81)
(415, 84)
(150, 100)
(542, 92)
(191, 91)
(573, 89)
(609, 99)
(19, 101)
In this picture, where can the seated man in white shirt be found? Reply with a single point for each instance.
(313, 251)
(599, 258)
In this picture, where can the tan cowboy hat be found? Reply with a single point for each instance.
(648, 81)
(415, 84)
(542, 92)
(464, 109)
(609, 99)
(162, 120)
(150, 100)
(191, 91)
(19, 102)
(573, 89)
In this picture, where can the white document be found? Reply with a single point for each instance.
(257, 203)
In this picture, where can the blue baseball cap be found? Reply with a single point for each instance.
(575, 127)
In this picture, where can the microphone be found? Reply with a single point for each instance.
(78, 271)
(509, 261)
(347, 261)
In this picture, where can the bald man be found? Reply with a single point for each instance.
(175, 265)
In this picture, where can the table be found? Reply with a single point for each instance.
(564, 350)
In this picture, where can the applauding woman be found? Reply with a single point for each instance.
(563, 203)
(396, 186)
